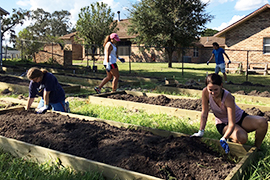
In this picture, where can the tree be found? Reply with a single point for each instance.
(27, 43)
(168, 24)
(95, 23)
(209, 32)
(8, 23)
(48, 27)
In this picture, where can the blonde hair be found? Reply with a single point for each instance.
(35, 72)
(107, 39)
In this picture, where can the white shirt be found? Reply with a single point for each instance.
(112, 56)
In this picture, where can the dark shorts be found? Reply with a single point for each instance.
(220, 127)
(113, 66)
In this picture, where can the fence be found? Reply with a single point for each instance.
(248, 61)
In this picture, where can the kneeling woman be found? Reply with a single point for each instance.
(231, 121)
(45, 85)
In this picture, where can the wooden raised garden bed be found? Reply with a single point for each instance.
(66, 129)
(194, 92)
(151, 108)
(21, 84)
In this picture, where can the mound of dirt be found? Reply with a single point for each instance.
(136, 150)
(190, 104)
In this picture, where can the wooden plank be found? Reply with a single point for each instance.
(149, 108)
(41, 155)
(238, 172)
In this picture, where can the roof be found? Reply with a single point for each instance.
(237, 23)
(3, 12)
(68, 36)
(122, 25)
(208, 41)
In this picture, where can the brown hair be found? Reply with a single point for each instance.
(213, 79)
(35, 72)
(107, 39)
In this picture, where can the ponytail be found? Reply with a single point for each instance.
(107, 39)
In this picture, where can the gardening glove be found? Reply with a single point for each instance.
(43, 109)
(198, 134)
(122, 60)
(224, 145)
(108, 67)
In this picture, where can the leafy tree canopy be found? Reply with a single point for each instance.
(8, 23)
(209, 32)
(168, 23)
(95, 23)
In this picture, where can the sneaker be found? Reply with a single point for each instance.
(98, 90)
(67, 107)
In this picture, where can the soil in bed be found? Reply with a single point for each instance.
(136, 150)
(190, 104)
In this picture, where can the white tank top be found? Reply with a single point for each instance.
(112, 57)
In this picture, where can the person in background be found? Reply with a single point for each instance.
(231, 121)
(46, 85)
(109, 62)
(220, 63)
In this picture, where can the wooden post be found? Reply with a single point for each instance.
(247, 67)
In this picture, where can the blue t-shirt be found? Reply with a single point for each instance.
(48, 83)
(219, 55)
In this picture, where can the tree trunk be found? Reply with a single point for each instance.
(170, 59)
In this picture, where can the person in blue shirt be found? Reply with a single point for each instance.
(220, 63)
(46, 85)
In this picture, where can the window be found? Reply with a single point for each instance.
(124, 48)
(196, 52)
(266, 45)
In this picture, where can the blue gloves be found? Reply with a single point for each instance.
(200, 133)
(122, 60)
(224, 145)
(43, 109)
(108, 67)
(207, 62)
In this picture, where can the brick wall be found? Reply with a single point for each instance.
(249, 36)
(54, 53)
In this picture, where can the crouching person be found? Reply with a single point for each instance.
(46, 85)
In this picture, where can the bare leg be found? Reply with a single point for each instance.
(239, 135)
(115, 74)
(258, 124)
(106, 79)
(225, 77)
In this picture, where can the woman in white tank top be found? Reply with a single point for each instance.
(231, 121)
(110, 58)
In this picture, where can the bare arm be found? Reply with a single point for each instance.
(108, 49)
(212, 56)
(29, 103)
(46, 97)
(227, 56)
(230, 105)
(205, 108)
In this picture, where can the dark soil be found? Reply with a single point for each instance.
(136, 150)
(190, 104)
(254, 93)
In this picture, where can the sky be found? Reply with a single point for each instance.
(225, 12)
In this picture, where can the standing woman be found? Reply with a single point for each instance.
(109, 62)
(45, 85)
(231, 121)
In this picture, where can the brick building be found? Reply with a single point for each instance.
(249, 38)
